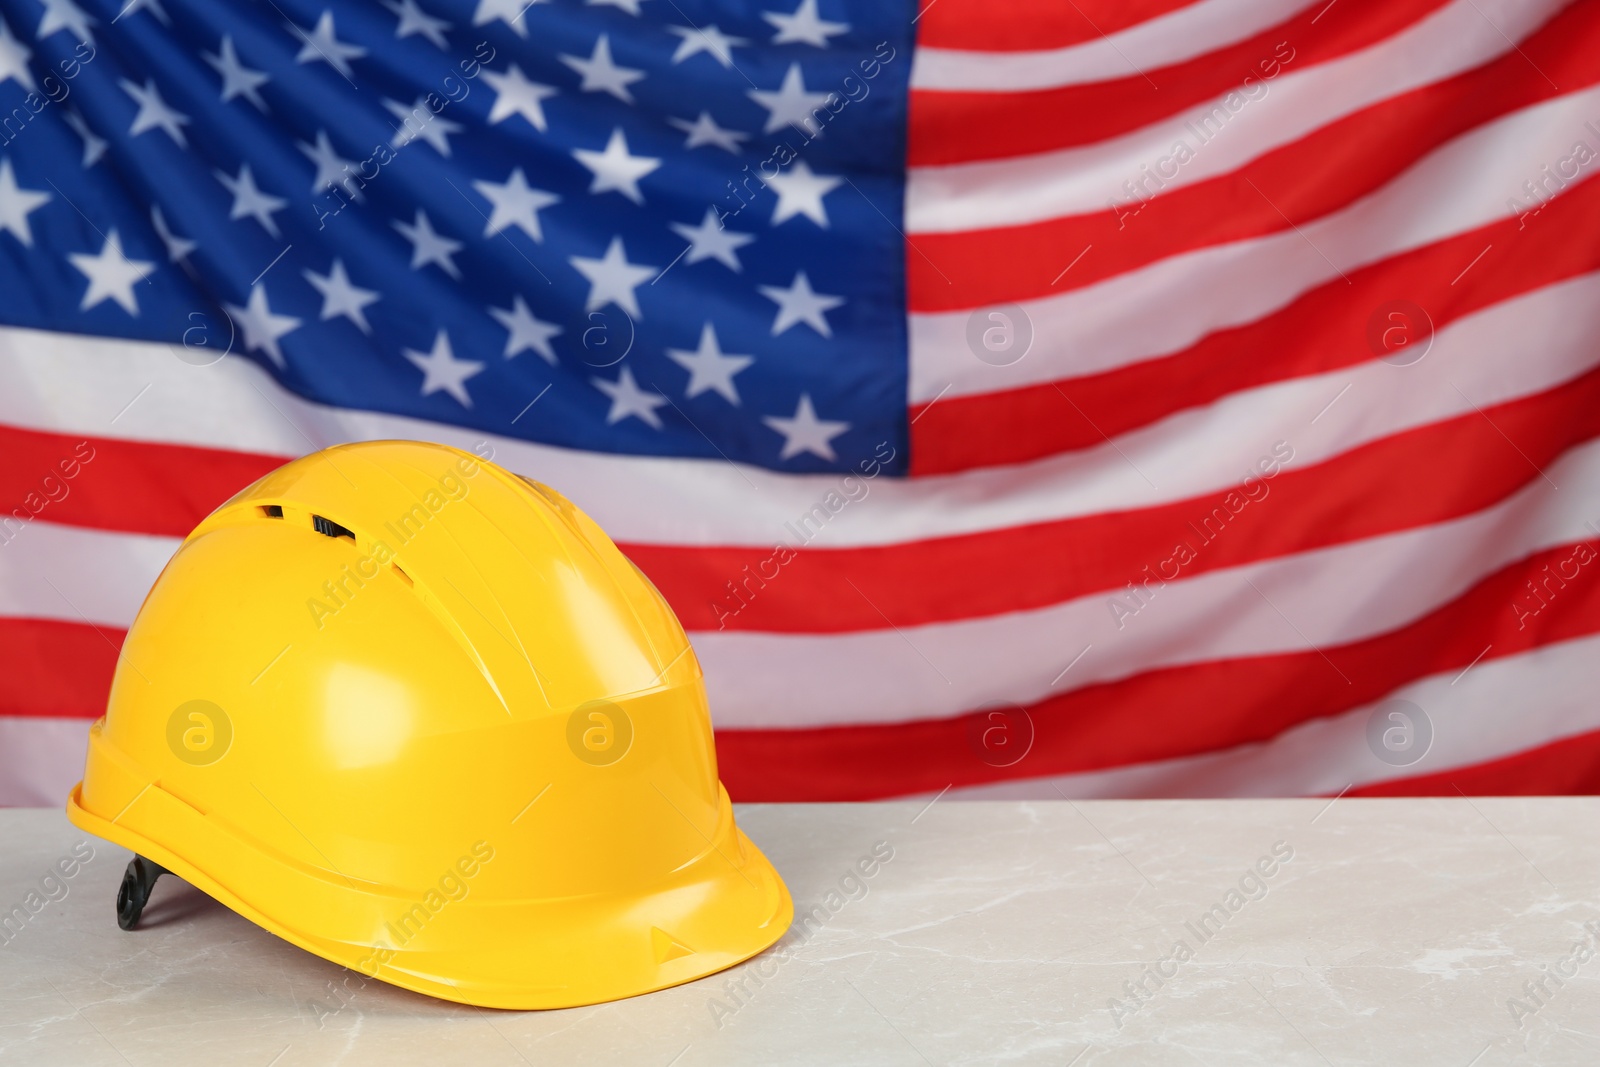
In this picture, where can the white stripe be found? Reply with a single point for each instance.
(1073, 181)
(74, 574)
(1294, 603)
(699, 502)
(1169, 305)
(143, 391)
(40, 760)
(1312, 600)
(1171, 38)
(1484, 715)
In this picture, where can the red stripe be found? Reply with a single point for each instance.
(1320, 331)
(953, 271)
(1391, 484)
(1570, 765)
(1162, 714)
(64, 669)
(1430, 474)
(56, 668)
(1029, 25)
(134, 486)
(959, 127)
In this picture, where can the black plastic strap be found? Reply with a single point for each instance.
(137, 882)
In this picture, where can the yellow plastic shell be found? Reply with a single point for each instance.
(455, 741)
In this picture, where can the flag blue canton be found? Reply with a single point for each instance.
(660, 227)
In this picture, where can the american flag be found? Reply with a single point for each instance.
(1109, 398)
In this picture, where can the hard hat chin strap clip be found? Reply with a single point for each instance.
(137, 882)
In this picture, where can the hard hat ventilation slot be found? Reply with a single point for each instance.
(271, 511)
(329, 528)
(402, 575)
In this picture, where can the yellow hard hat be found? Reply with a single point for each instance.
(419, 716)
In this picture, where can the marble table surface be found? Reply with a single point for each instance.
(1431, 931)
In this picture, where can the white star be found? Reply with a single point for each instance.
(710, 40)
(249, 201)
(525, 331)
(237, 79)
(628, 399)
(704, 130)
(14, 59)
(341, 297)
(790, 104)
(93, 147)
(16, 203)
(516, 95)
(799, 303)
(429, 246)
(320, 43)
(134, 6)
(111, 275)
(612, 279)
(419, 120)
(805, 432)
(153, 112)
(709, 367)
(800, 192)
(516, 203)
(442, 371)
(711, 240)
(333, 170)
(414, 20)
(261, 327)
(63, 15)
(804, 26)
(601, 75)
(509, 11)
(178, 248)
(616, 170)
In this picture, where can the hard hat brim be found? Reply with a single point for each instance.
(723, 908)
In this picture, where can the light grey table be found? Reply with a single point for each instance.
(1387, 931)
